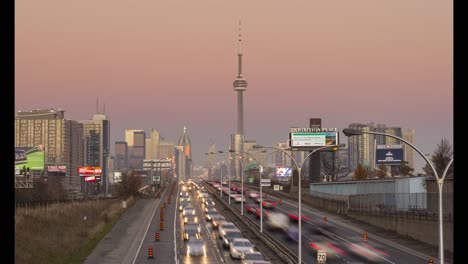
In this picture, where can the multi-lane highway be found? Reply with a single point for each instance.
(343, 243)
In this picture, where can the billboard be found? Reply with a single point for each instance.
(60, 169)
(92, 178)
(313, 137)
(117, 176)
(85, 171)
(389, 154)
(31, 158)
(283, 171)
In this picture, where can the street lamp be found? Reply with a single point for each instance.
(299, 167)
(349, 132)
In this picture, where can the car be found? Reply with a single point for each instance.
(333, 252)
(184, 194)
(252, 257)
(294, 217)
(268, 203)
(366, 252)
(238, 198)
(211, 215)
(240, 246)
(251, 208)
(223, 226)
(192, 230)
(188, 210)
(196, 247)
(258, 210)
(183, 204)
(253, 194)
(229, 235)
(210, 207)
(209, 201)
(215, 221)
(190, 219)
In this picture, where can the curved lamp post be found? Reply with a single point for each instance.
(440, 180)
(299, 168)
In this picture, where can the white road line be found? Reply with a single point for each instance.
(175, 220)
(146, 232)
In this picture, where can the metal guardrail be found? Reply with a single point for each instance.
(283, 252)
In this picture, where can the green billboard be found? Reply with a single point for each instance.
(30, 158)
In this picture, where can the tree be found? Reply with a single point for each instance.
(360, 173)
(405, 170)
(381, 171)
(441, 157)
(129, 185)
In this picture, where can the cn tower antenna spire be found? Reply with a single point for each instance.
(239, 53)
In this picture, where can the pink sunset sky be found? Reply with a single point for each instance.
(170, 64)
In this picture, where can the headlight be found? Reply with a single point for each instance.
(188, 250)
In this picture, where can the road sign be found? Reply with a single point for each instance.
(321, 256)
(266, 182)
(124, 204)
(276, 187)
(156, 178)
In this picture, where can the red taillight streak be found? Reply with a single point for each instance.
(341, 252)
(312, 245)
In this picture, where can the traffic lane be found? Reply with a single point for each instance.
(164, 249)
(350, 240)
(213, 254)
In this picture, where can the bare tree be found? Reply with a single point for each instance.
(381, 171)
(441, 157)
(129, 185)
(360, 173)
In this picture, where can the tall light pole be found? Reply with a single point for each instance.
(299, 168)
(440, 180)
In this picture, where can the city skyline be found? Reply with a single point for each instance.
(168, 65)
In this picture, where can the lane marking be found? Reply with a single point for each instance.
(155, 205)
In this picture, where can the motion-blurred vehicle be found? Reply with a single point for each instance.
(215, 221)
(192, 230)
(188, 210)
(230, 234)
(295, 217)
(239, 246)
(252, 257)
(190, 219)
(238, 198)
(211, 215)
(223, 226)
(183, 204)
(293, 232)
(209, 201)
(278, 221)
(268, 203)
(196, 247)
(333, 251)
(366, 252)
(251, 208)
(210, 208)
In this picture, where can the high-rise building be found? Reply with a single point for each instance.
(97, 145)
(180, 163)
(136, 151)
(362, 149)
(121, 155)
(152, 145)
(166, 149)
(184, 141)
(211, 160)
(62, 140)
(240, 85)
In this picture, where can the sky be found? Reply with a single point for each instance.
(170, 64)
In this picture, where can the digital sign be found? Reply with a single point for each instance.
(89, 171)
(313, 137)
(283, 171)
(31, 158)
(389, 154)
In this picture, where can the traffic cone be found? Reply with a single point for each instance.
(150, 251)
(156, 236)
(161, 226)
(431, 261)
(365, 236)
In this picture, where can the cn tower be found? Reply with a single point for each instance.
(240, 84)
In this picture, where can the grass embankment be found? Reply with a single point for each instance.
(58, 233)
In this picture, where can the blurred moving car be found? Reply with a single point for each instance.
(210, 208)
(295, 217)
(188, 210)
(192, 230)
(366, 252)
(183, 204)
(267, 203)
(223, 226)
(190, 219)
(211, 215)
(229, 235)
(238, 198)
(216, 220)
(239, 246)
(196, 247)
(332, 250)
(252, 257)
